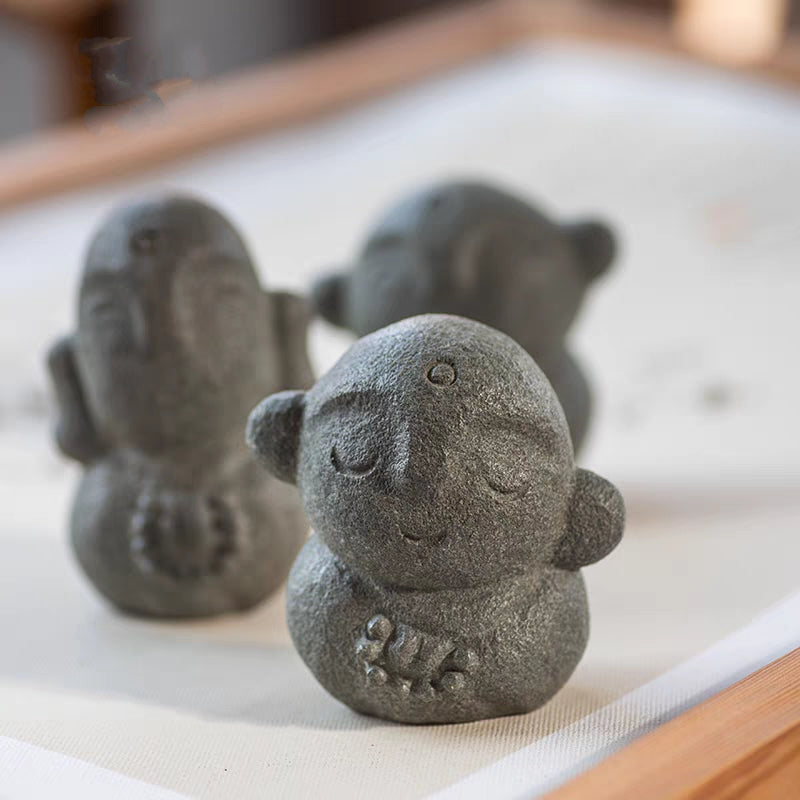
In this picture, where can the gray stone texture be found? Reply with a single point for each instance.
(476, 251)
(175, 342)
(435, 466)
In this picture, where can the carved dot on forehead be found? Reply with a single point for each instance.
(442, 374)
(144, 241)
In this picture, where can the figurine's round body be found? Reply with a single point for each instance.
(436, 469)
(479, 252)
(175, 342)
(444, 655)
(162, 544)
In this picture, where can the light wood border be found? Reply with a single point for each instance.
(743, 743)
(51, 12)
(259, 101)
(284, 94)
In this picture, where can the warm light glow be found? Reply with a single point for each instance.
(732, 31)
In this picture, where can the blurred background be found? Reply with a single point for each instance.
(61, 58)
(676, 121)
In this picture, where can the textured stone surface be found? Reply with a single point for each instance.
(175, 342)
(697, 483)
(476, 251)
(435, 466)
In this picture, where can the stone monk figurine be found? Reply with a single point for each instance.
(442, 582)
(175, 342)
(476, 251)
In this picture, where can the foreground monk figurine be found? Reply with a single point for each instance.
(175, 342)
(476, 251)
(442, 582)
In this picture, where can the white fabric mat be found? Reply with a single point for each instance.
(551, 761)
(28, 772)
(691, 345)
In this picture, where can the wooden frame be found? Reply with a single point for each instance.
(63, 23)
(742, 743)
(289, 92)
(52, 13)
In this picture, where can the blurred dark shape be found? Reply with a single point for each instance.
(794, 14)
(476, 250)
(26, 62)
(120, 71)
(717, 396)
(129, 46)
(353, 15)
(174, 344)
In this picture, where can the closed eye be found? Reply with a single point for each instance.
(357, 468)
(384, 240)
(229, 293)
(97, 306)
(230, 284)
(104, 306)
(508, 487)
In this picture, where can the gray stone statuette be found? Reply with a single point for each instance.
(473, 250)
(442, 582)
(175, 342)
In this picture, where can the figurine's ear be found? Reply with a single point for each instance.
(290, 318)
(273, 433)
(76, 434)
(595, 243)
(595, 521)
(327, 297)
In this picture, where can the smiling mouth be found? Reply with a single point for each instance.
(417, 540)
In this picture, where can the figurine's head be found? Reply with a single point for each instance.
(174, 333)
(472, 250)
(433, 453)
